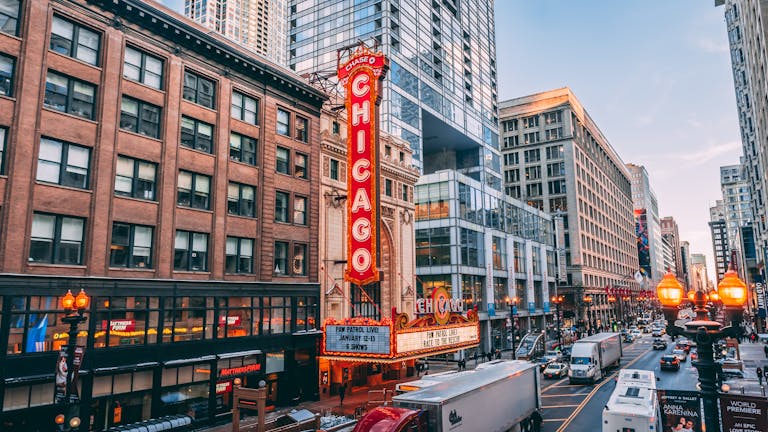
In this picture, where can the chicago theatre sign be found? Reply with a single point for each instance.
(361, 76)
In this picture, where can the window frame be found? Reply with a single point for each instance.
(130, 247)
(63, 164)
(190, 251)
(55, 247)
(193, 190)
(75, 41)
(237, 256)
(15, 19)
(140, 120)
(297, 169)
(242, 108)
(333, 169)
(300, 128)
(296, 199)
(287, 123)
(240, 158)
(3, 148)
(290, 258)
(198, 79)
(287, 170)
(286, 209)
(136, 180)
(196, 139)
(143, 67)
(240, 212)
(10, 80)
(69, 97)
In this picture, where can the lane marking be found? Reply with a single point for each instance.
(565, 395)
(554, 384)
(605, 381)
(553, 420)
(558, 406)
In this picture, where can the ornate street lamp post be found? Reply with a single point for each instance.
(588, 301)
(513, 314)
(75, 308)
(557, 300)
(612, 301)
(733, 293)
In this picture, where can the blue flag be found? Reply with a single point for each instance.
(36, 336)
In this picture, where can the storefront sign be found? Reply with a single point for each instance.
(60, 394)
(743, 413)
(229, 320)
(125, 325)
(223, 387)
(679, 406)
(437, 338)
(441, 304)
(240, 370)
(360, 76)
(760, 294)
(357, 339)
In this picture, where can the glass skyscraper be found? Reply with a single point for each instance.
(440, 91)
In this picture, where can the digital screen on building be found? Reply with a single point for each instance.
(436, 338)
(357, 339)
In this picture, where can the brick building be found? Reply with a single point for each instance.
(172, 175)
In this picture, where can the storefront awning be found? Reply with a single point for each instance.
(189, 360)
(238, 354)
(313, 332)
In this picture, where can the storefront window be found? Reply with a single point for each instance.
(277, 315)
(126, 321)
(35, 325)
(500, 293)
(187, 318)
(235, 317)
(191, 400)
(306, 308)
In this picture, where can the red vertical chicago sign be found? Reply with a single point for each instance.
(360, 76)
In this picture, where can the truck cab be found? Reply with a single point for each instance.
(584, 363)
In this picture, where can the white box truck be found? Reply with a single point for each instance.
(591, 356)
(495, 398)
(633, 406)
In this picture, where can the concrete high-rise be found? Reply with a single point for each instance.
(685, 257)
(440, 91)
(747, 33)
(260, 25)
(555, 158)
(670, 231)
(719, 232)
(737, 211)
(647, 225)
(699, 278)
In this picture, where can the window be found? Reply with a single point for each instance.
(3, 135)
(140, 117)
(532, 121)
(63, 163)
(194, 190)
(405, 193)
(300, 210)
(69, 95)
(531, 138)
(281, 206)
(199, 90)
(513, 191)
(300, 166)
(472, 248)
(388, 187)
(131, 246)
(511, 141)
(509, 125)
(241, 200)
(533, 189)
(532, 155)
(302, 129)
(6, 71)
(283, 122)
(334, 169)
(282, 159)
(56, 239)
(242, 148)
(335, 128)
(299, 259)
(555, 152)
(74, 40)
(281, 258)
(553, 134)
(512, 176)
(142, 67)
(239, 257)
(533, 173)
(553, 117)
(557, 187)
(499, 253)
(196, 134)
(9, 16)
(556, 169)
(190, 251)
(135, 178)
(433, 247)
(245, 108)
(511, 158)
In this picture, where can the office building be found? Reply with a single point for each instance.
(647, 226)
(555, 158)
(183, 199)
(670, 231)
(737, 211)
(719, 233)
(259, 25)
(492, 252)
(440, 91)
(699, 277)
(685, 257)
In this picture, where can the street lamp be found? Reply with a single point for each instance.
(733, 293)
(74, 308)
(612, 301)
(513, 313)
(557, 300)
(588, 301)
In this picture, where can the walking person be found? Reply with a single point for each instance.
(760, 375)
(536, 420)
(342, 393)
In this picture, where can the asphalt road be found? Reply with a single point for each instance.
(578, 408)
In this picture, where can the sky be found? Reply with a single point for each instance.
(654, 75)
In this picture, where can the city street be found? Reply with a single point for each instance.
(579, 407)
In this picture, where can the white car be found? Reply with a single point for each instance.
(636, 333)
(680, 354)
(556, 370)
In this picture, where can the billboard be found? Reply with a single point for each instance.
(643, 248)
(360, 76)
(680, 410)
(743, 413)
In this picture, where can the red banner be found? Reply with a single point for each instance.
(360, 76)
(231, 320)
(126, 325)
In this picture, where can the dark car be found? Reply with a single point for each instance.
(670, 362)
(628, 338)
(659, 344)
(543, 362)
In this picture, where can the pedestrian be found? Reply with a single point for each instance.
(342, 393)
(765, 372)
(759, 375)
(536, 420)
(498, 354)
(489, 356)
(765, 349)
(482, 356)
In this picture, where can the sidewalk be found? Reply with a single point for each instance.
(752, 356)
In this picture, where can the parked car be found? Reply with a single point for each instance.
(659, 344)
(556, 370)
(729, 374)
(554, 355)
(670, 362)
(680, 354)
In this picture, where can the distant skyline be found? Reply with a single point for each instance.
(654, 75)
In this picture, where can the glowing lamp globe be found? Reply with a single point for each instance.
(68, 301)
(669, 291)
(82, 300)
(732, 290)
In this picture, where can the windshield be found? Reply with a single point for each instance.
(580, 360)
